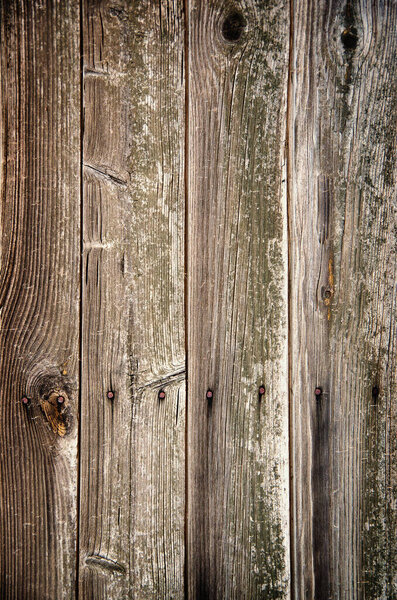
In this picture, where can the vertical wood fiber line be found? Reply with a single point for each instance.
(132, 436)
(81, 315)
(288, 137)
(238, 523)
(39, 297)
(186, 8)
(342, 223)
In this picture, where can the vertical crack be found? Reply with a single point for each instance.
(289, 161)
(186, 284)
(81, 7)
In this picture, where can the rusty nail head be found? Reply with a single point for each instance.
(209, 394)
(110, 395)
(25, 400)
(60, 399)
(318, 391)
(261, 390)
(161, 395)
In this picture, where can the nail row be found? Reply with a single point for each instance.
(26, 401)
(318, 392)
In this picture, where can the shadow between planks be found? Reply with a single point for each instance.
(197, 299)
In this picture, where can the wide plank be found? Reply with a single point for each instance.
(133, 345)
(342, 207)
(237, 266)
(39, 297)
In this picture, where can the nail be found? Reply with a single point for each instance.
(261, 391)
(161, 395)
(110, 395)
(25, 400)
(60, 399)
(209, 394)
(318, 392)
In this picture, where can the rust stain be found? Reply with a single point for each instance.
(330, 290)
(64, 368)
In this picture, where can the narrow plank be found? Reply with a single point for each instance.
(39, 296)
(342, 190)
(238, 524)
(132, 444)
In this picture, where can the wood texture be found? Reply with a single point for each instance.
(39, 296)
(217, 177)
(342, 190)
(237, 451)
(132, 445)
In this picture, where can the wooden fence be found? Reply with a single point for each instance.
(198, 299)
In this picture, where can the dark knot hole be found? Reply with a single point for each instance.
(349, 38)
(233, 26)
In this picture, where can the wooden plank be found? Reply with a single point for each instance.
(342, 190)
(39, 296)
(132, 445)
(238, 525)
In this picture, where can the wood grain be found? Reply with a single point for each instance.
(342, 190)
(39, 296)
(237, 451)
(132, 445)
(238, 164)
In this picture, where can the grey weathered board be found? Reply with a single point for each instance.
(132, 501)
(237, 452)
(198, 195)
(342, 207)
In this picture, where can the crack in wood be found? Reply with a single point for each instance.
(106, 174)
(96, 560)
(95, 73)
(97, 245)
(161, 381)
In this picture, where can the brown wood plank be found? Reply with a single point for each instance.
(132, 445)
(39, 296)
(238, 527)
(342, 192)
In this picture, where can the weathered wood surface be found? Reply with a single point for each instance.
(342, 206)
(132, 505)
(237, 451)
(155, 198)
(39, 296)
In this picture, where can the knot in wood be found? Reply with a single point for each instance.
(233, 26)
(349, 38)
(55, 406)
